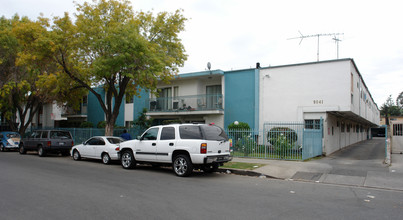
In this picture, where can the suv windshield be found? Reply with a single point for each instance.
(214, 133)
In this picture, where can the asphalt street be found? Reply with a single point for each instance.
(57, 187)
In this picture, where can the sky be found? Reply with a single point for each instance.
(236, 34)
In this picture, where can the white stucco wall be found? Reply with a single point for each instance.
(312, 88)
(310, 91)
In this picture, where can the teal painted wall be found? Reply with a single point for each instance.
(139, 103)
(95, 113)
(241, 97)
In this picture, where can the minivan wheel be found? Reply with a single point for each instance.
(41, 151)
(105, 158)
(76, 155)
(182, 165)
(127, 160)
(22, 149)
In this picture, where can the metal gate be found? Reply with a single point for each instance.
(295, 140)
(279, 140)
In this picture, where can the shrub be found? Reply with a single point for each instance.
(282, 139)
(239, 126)
(101, 124)
(86, 124)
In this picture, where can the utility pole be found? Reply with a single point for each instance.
(318, 36)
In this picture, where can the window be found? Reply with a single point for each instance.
(115, 140)
(38, 134)
(312, 124)
(190, 132)
(352, 82)
(85, 100)
(342, 128)
(352, 98)
(95, 141)
(168, 133)
(397, 129)
(176, 92)
(348, 127)
(129, 99)
(151, 134)
(60, 134)
(45, 134)
(213, 133)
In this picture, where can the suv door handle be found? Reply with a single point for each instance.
(154, 144)
(171, 144)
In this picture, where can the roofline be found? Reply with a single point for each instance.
(197, 74)
(329, 61)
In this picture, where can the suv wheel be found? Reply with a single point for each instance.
(182, 165)
(105, 158)
(22, 149)
(76, 155)
(41, 151)
(127, 160)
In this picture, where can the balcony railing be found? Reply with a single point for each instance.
(68, 111)
(185, 103)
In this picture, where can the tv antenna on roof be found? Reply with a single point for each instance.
(318, 36)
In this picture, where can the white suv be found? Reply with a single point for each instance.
(184, 146)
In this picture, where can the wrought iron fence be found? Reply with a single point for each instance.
(278, 140)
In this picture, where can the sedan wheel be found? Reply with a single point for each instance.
(105, 158)
(182, 165)
(76, 155)
(127, 160)
(22, 149)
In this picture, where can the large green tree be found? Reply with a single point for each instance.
(399, 100)
(390, 109)
(29, 79)
(110, 46)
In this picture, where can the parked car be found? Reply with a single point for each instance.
(9, 140)
(100, 147)
(47, 141)
(184, 146)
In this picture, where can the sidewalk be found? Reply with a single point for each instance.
(323, 171)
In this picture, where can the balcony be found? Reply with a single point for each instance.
(193, 104)
(72, 113)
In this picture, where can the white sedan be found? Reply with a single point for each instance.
(99, 147)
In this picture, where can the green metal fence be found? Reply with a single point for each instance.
(279, 140)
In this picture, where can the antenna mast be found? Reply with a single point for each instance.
(318, 36)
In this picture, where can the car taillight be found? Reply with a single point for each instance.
(117, 149)
(203, 148)
(49, 143)
(72, 143)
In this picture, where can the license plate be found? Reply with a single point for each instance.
(61, 143)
